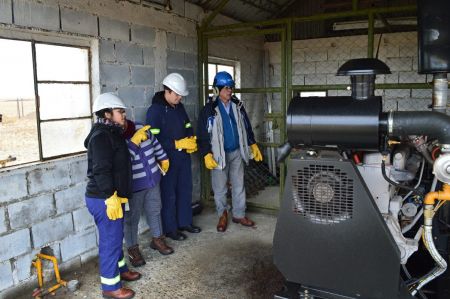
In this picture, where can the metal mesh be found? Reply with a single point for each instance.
(323, 194)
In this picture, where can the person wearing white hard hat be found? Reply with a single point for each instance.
(171, 125)
(107, 190)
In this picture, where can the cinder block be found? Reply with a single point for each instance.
(108, 88)
(298, 55)
(52, 230)
(344, 93)
(82, 219)
(3, 227)
(149, 93)
(5, 11)
(390, 104)
(6, 279)
(190, 61)
(14, 244)
(304, 68)
(30, 211)
(333, 79)
(314, 79)
(338, 53)
(22, 268)
(414, 105)
(14, 186)
(399, 64)
(115, 74)
(188, 75)
(315, 55)
(89, 256)
(171, 41)
(70, 199)
(132, 96)
(48, 178)
(107, 52)
(129, 53)
(143, 35)
(78, 22)
(70, 265)
(77, 244)
(142, 75)
(358, 53)
(389, 51)
(422, 94)
(391, 78)
(298, 79)
(184, 44)
(193, 12)
(149, 56)
(326, 67)
(411, 77)
(33, 14)
(78, 171)
(113, 29)
(397, 93)
(175, 59)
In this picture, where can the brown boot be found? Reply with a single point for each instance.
(130, 276)
(160, 245)
(122, 293)
(135, 256)
(223, 222)
(244, 221)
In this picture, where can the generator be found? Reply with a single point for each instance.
(363, 187)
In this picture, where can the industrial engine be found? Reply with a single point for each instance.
(365, 189)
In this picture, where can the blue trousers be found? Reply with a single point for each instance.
(110, 232)
(176, 194)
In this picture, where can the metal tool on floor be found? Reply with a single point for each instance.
(37, 263)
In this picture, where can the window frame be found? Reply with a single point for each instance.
(34, 39)
(216, 64)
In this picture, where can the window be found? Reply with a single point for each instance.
(306, 94)
(45, 100)
(214, 68)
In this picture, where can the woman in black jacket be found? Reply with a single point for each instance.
(108, 188)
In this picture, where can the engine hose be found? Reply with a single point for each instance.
(383, 171)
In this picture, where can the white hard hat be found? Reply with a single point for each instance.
(107, 101)
(177, 83)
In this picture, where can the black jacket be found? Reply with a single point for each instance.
(109, 164)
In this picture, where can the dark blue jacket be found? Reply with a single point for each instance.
(207, 113)
(168, 124)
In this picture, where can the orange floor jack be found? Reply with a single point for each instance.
(41, 291)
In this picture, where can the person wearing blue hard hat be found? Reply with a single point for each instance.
(226, 141)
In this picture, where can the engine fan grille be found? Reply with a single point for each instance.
(323, 194)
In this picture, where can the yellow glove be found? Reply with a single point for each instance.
(256, 153)
(140, 135)
(188, 143)
(164, 165)
(190, 151)
(210, 163)
(114, 206)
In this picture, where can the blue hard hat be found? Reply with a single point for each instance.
(223, 79)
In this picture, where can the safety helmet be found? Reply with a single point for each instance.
(223, 79)
(107, 101)
(176, 82)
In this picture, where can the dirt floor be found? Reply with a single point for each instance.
(234, 264)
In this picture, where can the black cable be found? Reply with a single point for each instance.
(383, 171)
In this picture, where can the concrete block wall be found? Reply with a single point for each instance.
(316, 61)
(43, 206)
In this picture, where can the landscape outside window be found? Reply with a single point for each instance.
(45, 101)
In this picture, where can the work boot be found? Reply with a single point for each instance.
(130, 276)
(135, 256)
(160, 245)
(122, 293)
(223, 222)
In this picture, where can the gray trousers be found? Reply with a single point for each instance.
(148, 201)
(233, 172)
